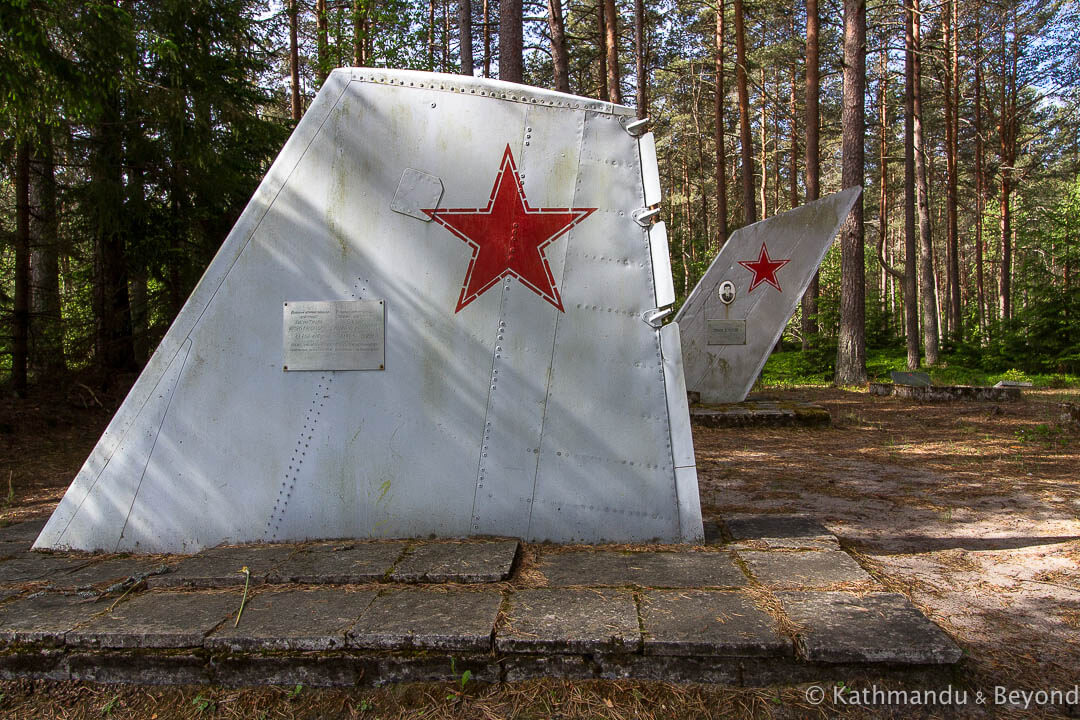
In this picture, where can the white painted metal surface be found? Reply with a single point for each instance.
(539, 405)
(770, 264)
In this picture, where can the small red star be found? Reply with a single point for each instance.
(508, 237)
(764, 269)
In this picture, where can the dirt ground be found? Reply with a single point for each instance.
(972, 510)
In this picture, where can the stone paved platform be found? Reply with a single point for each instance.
(770, 599)
(946, 393)
(759, 413)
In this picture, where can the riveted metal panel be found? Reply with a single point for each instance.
(564, 412)
(799, 240)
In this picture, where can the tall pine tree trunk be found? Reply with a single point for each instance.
(1007, 136)
(115, 349)
(640, 62)
(813, 159)
(980, 186)
(611, 50)
(47, 355)
(602, 55)
(559, 56)
(322, 68)
(721, 159)
(21, 330)
(851, 347)
(745, 140)
(927, 284)
(294, 58)
(487, 39)
(951, 96)
(763, 188)
(910, 280)
(465, 36)
(510, 48)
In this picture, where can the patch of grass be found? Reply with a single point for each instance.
(795, 368)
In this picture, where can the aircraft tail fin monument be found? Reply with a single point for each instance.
(735, 314)
(436, 316)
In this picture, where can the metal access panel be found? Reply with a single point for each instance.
(476, 359)
(737, 311)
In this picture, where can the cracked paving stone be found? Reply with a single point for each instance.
(25, 532)
(294, 620)
(106, 572)
(44, 618)
(220, 567)
(461, 562)
(158, 620)
(683, 570)
(709, 623)
(428, 620)
(34, 566)
(342, 562)
(781, 531)
(595, 568)
(804, 569)
(876, 627)
(570, 621)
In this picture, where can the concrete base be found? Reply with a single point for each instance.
(759, 413)
(938, 393)
(780, 604)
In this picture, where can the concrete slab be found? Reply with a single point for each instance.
(159, 620)
(428, 620)
(44, 618)
(683, 570)
(23, 532)
(471, 562)
(790, 532)
(754, 527)
(32, 567)
(340, 562)
(815, 569)
(707, 622)
(293, 620)
(877, 628)
(107, 572)
(606, 568)
(11, 549)
(760, 414)
(595, 568)
(220, 567)
(570, 621)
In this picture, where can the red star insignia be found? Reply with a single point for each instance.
(764, 269)
(508, 237)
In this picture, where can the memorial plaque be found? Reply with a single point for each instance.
(345, 335)
(727, 332)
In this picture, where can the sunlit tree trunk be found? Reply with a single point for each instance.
(465, 36)
(910, 280)
(322, 60)
(746, 141)
(640, 65)
(721, 159)
(952, 98)
(510, 49)
(294, 58)
(851, 347)
(611, 47)
(560, 59)
(927, 283)
(813, 158)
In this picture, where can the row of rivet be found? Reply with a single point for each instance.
(311, 419)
